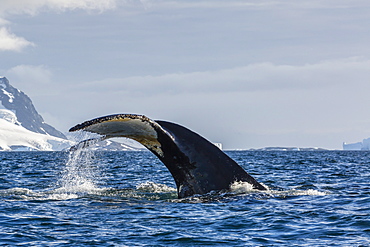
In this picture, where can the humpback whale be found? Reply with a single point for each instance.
(197, 165)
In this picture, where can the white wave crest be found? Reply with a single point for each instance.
(309, 192)
(27, 194)
(245, 187)
(154, 187)
(294, 192)
(61, 196)
(16, 191)
(240, 187)
(80, 187)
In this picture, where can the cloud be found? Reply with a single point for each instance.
(34, 6)
(254, 77)
(11, 42)
(252, 4)
(255, 105)
(30, 79)
(3, 22)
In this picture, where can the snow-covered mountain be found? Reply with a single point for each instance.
(14, 137)
(23, 128)
(18, 102)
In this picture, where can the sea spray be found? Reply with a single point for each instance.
(81, 173)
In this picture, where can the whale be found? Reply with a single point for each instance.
(197, 165)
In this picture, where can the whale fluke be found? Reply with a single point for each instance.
(197, 165)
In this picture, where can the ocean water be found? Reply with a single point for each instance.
(129, 199)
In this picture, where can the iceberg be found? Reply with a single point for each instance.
(364, 145)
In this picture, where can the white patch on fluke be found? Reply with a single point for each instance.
(137, 129)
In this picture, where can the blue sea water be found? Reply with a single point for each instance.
(129, 199)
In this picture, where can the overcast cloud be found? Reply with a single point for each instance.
(244, 73)
(253, 77)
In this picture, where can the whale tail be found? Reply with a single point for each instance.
(197, 165)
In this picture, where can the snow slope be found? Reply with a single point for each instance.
(18, 102)
(23, 129)
(15, 137)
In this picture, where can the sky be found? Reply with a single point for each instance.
(248, 74)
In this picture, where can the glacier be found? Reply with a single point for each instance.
(14, 137)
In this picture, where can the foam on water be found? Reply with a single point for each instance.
(15, 192)
(239, 187)
(309, 192)
(247, 188)
(24, 194)
(154, 187)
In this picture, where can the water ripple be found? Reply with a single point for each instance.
(129, 199)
